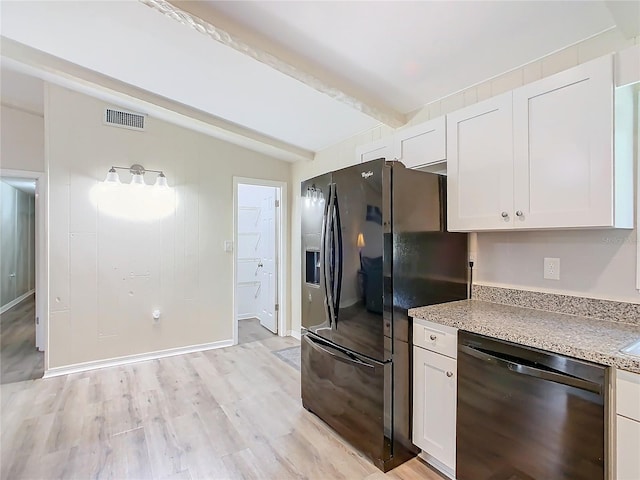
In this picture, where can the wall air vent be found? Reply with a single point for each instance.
(116, 117)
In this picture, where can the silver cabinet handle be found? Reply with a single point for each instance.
(449, 374)
(519, 213)
(433, 337)
(12, 275)
(505, 215)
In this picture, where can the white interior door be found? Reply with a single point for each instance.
(268, 314)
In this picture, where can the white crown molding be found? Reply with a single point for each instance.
(387, 116)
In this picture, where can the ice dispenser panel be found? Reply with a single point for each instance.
(313, 267)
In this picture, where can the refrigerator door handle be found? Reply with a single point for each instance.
(338, 355)
(326, 255)
(337, 258)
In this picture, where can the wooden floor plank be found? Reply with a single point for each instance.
(230, 413)
(19, 358)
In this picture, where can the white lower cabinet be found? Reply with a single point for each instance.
(434, 402)
(627, 425)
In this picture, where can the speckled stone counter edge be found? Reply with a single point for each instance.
(585, 307)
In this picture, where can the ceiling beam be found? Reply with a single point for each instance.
(55, 70)
(384, 115)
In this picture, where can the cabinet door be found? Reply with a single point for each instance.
(627, 448)
(480, 166)
(434, 405)
(563, 149)
(374, 150)
(421, 144)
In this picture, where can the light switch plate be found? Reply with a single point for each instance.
(552, 268)
(228, 246)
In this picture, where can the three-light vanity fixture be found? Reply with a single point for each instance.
(137, 176)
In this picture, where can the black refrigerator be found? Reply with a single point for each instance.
(374, 244)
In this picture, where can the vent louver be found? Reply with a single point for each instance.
(123, 119)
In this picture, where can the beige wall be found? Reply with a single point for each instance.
(108, 274)
(21, 140)
(593, 263)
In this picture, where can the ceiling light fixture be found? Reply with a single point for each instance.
(137, 176)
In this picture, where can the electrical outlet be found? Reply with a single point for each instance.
(552, 268)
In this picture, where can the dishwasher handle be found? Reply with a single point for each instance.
(532, 371)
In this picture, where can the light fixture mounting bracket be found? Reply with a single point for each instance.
(137, 169)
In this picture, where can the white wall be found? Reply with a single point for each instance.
(21, 140)
(107, 274)
(250, 248)
(597, 264)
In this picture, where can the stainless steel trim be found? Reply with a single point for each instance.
(532, 371)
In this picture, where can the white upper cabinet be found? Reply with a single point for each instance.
(422, 144)
(416, 146)
(563, 148)
(542, 156)
(379, 149)
(480, 165)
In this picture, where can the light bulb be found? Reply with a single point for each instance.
(161, 181)
(137, 180)
(112, 177)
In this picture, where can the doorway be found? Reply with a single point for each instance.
(258, 238)
(21, 332)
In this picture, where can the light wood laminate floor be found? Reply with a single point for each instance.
(19, 358)
(232, 413)
(250, 330)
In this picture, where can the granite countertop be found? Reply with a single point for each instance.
(590, 339)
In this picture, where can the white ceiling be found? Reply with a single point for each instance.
(305, 74)
(406, 54)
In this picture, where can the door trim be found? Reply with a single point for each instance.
(281, 250)
(42, 254)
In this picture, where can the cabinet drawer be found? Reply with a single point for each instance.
(435, 337)
(628, 394)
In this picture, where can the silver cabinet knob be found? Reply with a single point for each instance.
(12, 275)
(433, 337)
(505, 215)
(519, 213)
(449, 374)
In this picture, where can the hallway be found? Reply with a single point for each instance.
(19, 358)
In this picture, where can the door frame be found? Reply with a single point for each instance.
(281, 250)
(42, 253)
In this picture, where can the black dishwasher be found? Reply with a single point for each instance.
(526, 414)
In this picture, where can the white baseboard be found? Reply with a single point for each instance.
(246, 316)
(293, 333)
(16, 301)
(141, 357)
